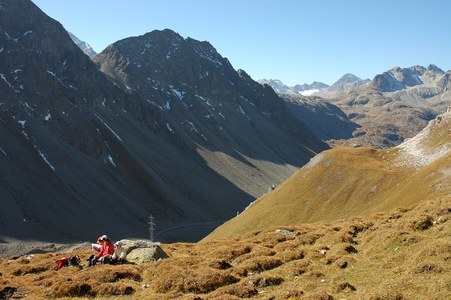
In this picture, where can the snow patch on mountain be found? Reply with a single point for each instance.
(109, 128)
(308, 92)
(5, 80)
(44, 157)
(169, 128)
(4, 153)
(110, 159)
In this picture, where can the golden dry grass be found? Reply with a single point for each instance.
(401, 254)
(343, 183)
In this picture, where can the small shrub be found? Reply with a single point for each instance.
(342, 264)
(292, 294)
(428, 268)
(201, 280)
(388, 296)
(423, 222)
(316, 274)
(288, 256)
(7, 292)
(115, 289)
(350, 249)
(262, 263)
(319, 296)
(264, 281)
(309, 238)
(347, 238)
(239, 290)
(72, 289)
(231, 252)
(257, 251)
(220, 265)
(30, 270)
(343, 286)
(115, 273)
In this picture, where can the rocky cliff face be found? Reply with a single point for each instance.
(89, 153)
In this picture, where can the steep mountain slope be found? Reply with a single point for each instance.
(81, 155)
(346, 182)
(61, 161)
(211, 107)
(324, 119)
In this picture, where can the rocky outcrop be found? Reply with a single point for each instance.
(142, 251)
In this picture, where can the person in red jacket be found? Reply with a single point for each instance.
(105, 251)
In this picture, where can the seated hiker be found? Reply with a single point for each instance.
(104, 252)
(119, 254)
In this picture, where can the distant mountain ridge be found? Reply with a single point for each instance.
(345, 83)
(395, 105)
(402, 78)
(390, 81)
(85, 47)
(299, 89)
(391, 107)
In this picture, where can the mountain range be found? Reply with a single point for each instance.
(386, 110)
(346, 83)
(154, 126)
(299, 89)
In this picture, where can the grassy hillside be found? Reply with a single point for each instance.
(401, 254)
(347, 182)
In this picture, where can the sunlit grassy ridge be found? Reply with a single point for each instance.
(347, 182)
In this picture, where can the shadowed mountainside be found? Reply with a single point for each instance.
(81, 146)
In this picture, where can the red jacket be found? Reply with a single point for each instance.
(107, 249)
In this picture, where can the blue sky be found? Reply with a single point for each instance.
(295, 41)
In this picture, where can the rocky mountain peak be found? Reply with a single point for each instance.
(435, 69)
(346, 83)
(85, 47)
(347, 78)
(401, 78)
